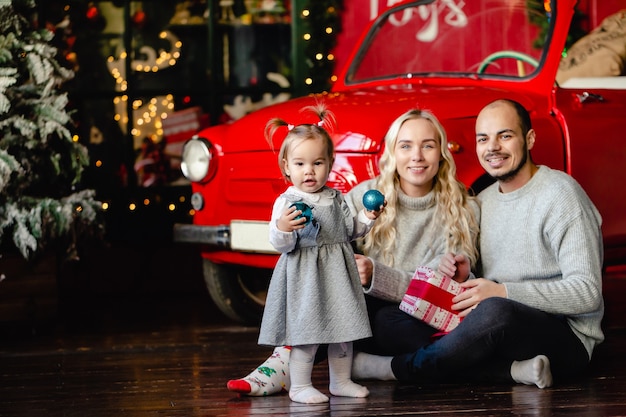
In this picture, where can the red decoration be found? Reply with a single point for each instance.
(92, 12)
(139, 18)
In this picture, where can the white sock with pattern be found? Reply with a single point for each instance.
(271, 377)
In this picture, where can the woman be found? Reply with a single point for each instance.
(436, 215)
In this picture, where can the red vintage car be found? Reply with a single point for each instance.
(440, 55)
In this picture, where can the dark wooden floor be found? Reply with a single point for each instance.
(158, 354)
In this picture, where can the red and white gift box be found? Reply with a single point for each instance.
(429, 298)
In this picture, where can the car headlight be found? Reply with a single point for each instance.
(198, 160)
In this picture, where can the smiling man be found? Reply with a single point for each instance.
(504, 139)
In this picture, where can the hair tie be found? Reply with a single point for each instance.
(320, 123)
(289, 127)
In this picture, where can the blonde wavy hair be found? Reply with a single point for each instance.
(451, 197)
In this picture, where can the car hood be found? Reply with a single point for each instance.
(362, 117)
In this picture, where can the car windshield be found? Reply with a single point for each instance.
(443, 38)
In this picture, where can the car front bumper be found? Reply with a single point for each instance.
(239, 235)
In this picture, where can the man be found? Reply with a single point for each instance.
(536, 314)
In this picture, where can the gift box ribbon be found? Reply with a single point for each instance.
(431, 293)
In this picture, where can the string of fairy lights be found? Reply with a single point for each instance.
(320, 18)
(147, 116)
(322, 21)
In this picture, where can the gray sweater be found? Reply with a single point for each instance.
(544, 243)
(420, 241)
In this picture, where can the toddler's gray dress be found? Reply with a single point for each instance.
(315, 294)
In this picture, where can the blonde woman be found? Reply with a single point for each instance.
(428, 214)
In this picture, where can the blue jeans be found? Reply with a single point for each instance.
(488, 340)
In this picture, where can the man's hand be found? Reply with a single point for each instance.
(454, 266)
(476, 290)
(365, 268)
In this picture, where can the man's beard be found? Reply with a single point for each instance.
(508, 176)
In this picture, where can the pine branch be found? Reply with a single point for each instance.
(41, 164)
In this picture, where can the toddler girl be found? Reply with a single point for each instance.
(315, 295)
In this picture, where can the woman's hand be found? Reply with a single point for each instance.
(365, 268)
(454, 266)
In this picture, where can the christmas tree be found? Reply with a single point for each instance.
(41, 161)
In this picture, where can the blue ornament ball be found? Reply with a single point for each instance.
(305, 209)
(373, 199)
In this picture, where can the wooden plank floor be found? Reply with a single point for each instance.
(151, 355)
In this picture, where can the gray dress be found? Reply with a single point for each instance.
(315, 294)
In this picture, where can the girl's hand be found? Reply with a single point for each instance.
(374, 214)
(287, 222)
(365, 267)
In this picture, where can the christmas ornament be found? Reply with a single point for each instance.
(92, 12)
(139, 19)
(373, 199)
(305, 209)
